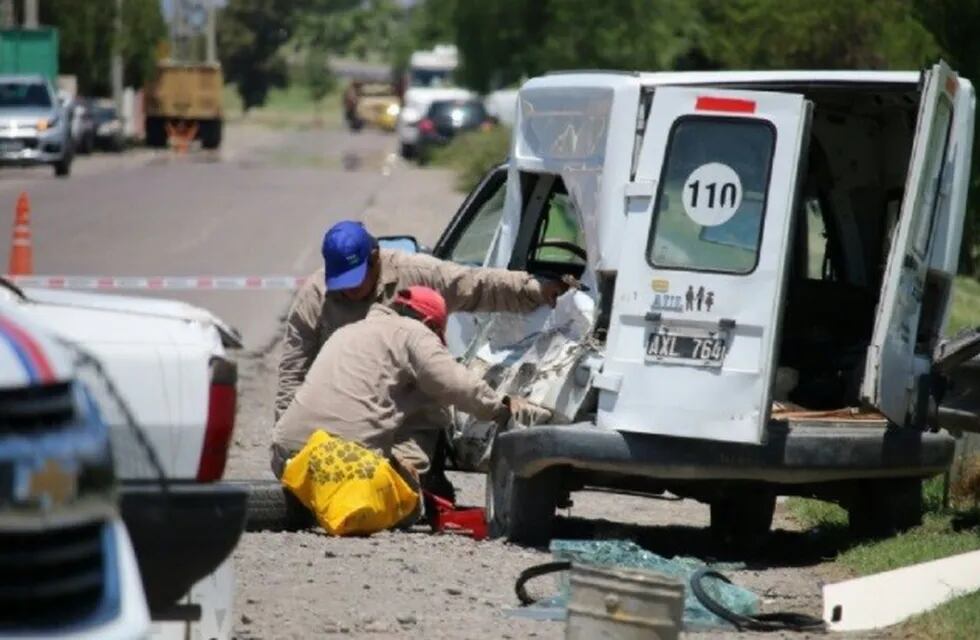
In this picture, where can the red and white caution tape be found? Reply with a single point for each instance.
(162, 283)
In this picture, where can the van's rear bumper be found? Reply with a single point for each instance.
(792, 454)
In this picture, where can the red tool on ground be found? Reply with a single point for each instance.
(448, 518)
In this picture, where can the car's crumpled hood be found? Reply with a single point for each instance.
(534, 356)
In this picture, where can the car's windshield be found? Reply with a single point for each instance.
(431, 77)
(24, 94)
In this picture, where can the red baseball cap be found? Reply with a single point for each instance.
(428, 303)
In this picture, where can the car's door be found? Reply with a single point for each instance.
(691, 347)
(894, 368)
(467, 241)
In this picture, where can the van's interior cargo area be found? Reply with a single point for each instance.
(858, 156)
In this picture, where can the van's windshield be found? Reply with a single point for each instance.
(712, 195)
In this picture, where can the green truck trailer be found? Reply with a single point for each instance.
(30, 51)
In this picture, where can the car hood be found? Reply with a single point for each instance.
(28, 353)
(423, 96)
(27, 114)
(129, 305)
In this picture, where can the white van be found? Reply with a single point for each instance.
(769, 259)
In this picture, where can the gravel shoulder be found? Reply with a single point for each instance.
(415, 584)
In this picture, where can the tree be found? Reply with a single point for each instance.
(250, 36)
(357, 28)
(143, 30)
(87, 35)
(952, 23)
(844, 34)
(319, 78)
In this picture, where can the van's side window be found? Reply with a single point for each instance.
(712, 195)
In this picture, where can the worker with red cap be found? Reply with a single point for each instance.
(375, 379)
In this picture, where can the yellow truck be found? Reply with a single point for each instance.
(184, 99)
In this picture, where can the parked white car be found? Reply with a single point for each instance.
(429, 78)
(167, 361)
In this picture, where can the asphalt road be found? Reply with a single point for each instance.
(258, 208)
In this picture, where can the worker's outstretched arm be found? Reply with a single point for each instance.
(301, 343)
(481, 289)
(451, 384)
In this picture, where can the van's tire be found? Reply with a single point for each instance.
(210, 133)
(271, 507)
(741, 522)
(408, 151)
(881, 508)
(522, 510)
(155, 132)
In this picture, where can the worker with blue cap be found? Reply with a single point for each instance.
(358, 274)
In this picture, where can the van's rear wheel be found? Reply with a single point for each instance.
(522, 510)
(882, 508)
(741, 523)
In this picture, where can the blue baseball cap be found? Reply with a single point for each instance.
(347, 247)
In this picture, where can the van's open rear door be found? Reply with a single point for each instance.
(894, 368)
(691, 347)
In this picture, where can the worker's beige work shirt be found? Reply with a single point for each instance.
(314, 316)
(376, 375)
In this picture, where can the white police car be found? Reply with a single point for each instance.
(67, 567)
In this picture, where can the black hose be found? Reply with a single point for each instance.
(537, 571)
(781, 621)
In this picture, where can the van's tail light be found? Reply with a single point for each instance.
(426, 126)
(221, 420)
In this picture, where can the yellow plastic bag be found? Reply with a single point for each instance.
(350, 490)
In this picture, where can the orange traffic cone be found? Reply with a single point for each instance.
(21, 252)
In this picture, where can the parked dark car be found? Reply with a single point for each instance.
(447, 118)
(109, 134)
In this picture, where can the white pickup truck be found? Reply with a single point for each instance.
(167, 361)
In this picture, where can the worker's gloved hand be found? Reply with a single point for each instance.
(526, 413)
(552, 289)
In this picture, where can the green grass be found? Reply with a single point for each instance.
(958, 619)
(935, 538)
(472, 154)
(966, 305)
(289, 107)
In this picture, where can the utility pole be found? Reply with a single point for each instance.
(116, 63)
(30, 14)
(177, 31)
(211, 50)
